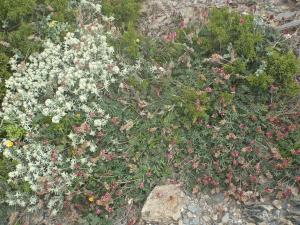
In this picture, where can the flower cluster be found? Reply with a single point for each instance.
(64, 80)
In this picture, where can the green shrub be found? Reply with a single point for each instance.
(262, 80)
(130, 42)
(237, 67)
(225, 27)
(4, 74)
(238, 37)
(193, 104)
(14, 132)
(124, 11)
(282, 67)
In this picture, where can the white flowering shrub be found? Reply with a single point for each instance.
(63, 81)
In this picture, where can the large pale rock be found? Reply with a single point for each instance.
(164, 205)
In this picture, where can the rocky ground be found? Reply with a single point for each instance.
(168, 205)
(159, 17)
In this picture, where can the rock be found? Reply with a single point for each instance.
(286, 26)
(294, 211)
(190, 215)
(285, 15)
(195, 221)
(269, 208)
(215, 217)
(217, 198)
(206, 218)
(225, 218)
(164, 204)
(193, 207)
(283, 221)
(277, 204)
(296, 219)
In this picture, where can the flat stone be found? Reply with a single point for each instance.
(292, 24)
(269, 208)
(164, 204)
(277, 204)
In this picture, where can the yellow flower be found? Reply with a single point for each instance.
(8, 144)
(91, 199)
(52, 23)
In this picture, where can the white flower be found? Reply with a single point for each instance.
(55, 119)
(62, 81)
(93, 148)
(97, 123)
(48, 102)
(116, 69)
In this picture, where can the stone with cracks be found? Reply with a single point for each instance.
(164, 205)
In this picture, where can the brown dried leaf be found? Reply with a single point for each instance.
(127, 126)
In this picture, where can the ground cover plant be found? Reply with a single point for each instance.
(98, 118)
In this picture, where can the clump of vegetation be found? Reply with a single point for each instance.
(225, 27)
(125, 12)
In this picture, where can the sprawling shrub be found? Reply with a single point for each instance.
(64, 81)
(24, 23)
(242, 42)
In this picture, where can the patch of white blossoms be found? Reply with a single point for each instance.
(64, 78)
(62, 81)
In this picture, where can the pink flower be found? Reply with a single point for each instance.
(269, 134)
(242, 126)
(149, 174)
(108, 209)
(98, 211)
(106, 198)
(253, 179)
(181, 24)
(92, 114)
(170, 155)
(287, 193)
(296, 152)
(208, 90)
(190, 150)
(235, 154)
(170, 37)
(268, 190)
(242, 20)
(142, 185)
